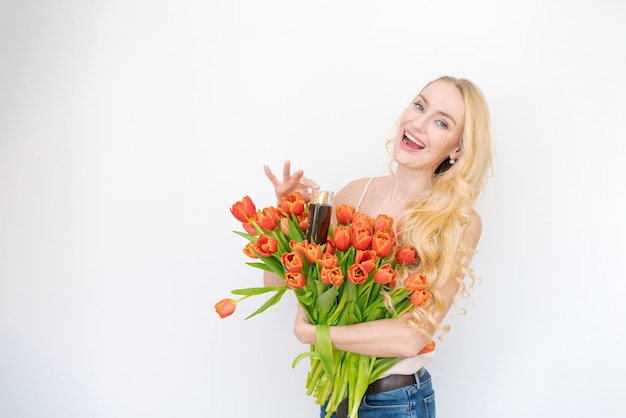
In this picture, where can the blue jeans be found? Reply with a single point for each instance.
(412, 401)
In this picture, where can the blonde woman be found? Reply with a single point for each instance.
(441, 157)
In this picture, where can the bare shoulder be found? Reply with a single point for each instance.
(475, 229)
(351, 192)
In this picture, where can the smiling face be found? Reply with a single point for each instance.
(431, 127)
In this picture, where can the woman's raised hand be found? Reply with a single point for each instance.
(291, 183)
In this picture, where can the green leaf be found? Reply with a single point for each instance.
(325, 348)
(326, 301)
(312, 354)
(275, 265)
(249, 237)
(270, 302)
(257, 290)
(294, 229)
(261, 266)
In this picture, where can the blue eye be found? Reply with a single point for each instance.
(441, 124)
(419, 106)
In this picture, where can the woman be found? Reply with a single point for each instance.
(442, 156)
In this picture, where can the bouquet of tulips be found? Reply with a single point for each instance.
(351, 278)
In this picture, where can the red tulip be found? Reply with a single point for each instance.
(385, 274)
(361, 236)
(244, 209)
(428, 348)
(292, 261)
(298, 246)
(284, 226)
(225, 307)
(366, 259)
(345, 213)
(383, 242)
(267, 218)
(356, 274)
(295, 280)
(329, 260)
(420, 297)
(331, 275)
(383, 222)
(415, 282)
(265, 245)
(313, 252)
(292, 204)
(250, 229)
(249, 250)
(342, 237)
(406, 255)
(362, 219)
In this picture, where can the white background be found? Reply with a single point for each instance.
(128, 128)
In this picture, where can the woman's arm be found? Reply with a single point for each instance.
(396, 337)
(272, 279)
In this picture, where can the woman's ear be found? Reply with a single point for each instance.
(454, 155)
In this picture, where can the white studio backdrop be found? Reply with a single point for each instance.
(128, 128)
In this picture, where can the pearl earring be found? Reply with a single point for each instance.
(452, 161)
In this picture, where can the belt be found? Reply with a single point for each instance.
(391, 382)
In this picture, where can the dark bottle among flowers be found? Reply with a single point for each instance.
(320, 212)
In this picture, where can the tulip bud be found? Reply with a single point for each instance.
(225, 307)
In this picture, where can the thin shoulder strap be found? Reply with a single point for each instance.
(364, 191)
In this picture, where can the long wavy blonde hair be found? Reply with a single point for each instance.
(435, 221)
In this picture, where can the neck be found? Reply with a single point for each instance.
(406, 182)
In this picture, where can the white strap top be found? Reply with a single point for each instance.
(367, 186)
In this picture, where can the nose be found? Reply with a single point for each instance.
(419, 123)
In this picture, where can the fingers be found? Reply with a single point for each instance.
(295, 180)
(270, 175)
(287, 170)
(309, 183)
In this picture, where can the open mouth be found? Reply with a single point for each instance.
(412, 142)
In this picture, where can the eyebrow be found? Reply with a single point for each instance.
(440, 112)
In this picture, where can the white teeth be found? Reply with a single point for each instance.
(414, 140)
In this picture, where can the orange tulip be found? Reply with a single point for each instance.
(385, 274)
(249, 250)
(292, 204)
(298, 246)
(292, 261)
(295, 280)
(225, 307)
(284, 226)
(304, 224)
(420, 297)
(361, 236)
(383, 222)
(267, 218)
(244, 209)
(342, 237)
(383, 242)
(406, 255)
(366, 259)
(329, 260)
(428, 348)
(415, 282)
(356, 274)
(331, 275)
(362, 219)
(330, 245)
(313, 252)
(345, 213)
(265, 245)
(250, 229)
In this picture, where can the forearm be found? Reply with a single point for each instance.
(272, 279)
(382, 338)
